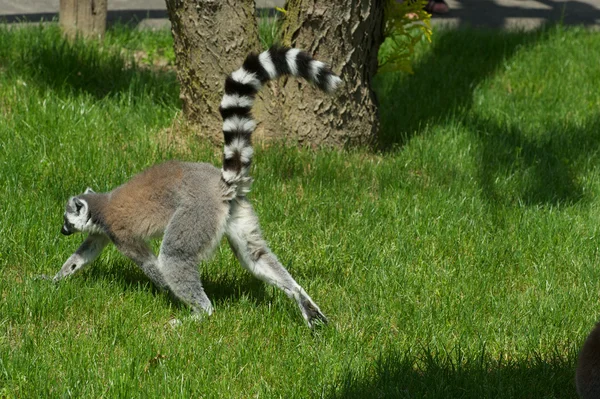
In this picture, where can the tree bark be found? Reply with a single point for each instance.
(85, 17)
(346, 34)
(211, 40)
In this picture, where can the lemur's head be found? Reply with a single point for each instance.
(77, 217)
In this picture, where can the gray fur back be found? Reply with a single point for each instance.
(144, 205)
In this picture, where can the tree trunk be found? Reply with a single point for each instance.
(211, 40)
(85, 17)
(346, 34)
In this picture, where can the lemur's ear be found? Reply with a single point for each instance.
(88, 191)
(79, 204)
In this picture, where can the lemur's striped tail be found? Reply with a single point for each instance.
(241, 88)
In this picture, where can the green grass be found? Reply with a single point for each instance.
(460, 260)
(269, 29)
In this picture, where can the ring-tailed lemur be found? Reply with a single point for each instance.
(194, 204)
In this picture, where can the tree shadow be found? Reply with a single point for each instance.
(444, 80)
(439, 376)
(52, 62)
(543, 169)
(492, 14)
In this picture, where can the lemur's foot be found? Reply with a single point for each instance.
(310, 311)
(195, 317)
(43, 277)
(174, 323)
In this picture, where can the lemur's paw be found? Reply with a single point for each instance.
(195, 317)
(42, 277)
(310, 311)
(316, 318)
(174, 323)
(199, 317)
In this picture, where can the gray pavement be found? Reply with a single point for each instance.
(505, 14)
(144, 13)
(520, 14)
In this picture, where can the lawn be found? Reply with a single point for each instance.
(456, 259)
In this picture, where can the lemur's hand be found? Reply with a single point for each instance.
(74, 263)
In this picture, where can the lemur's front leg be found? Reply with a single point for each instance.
(85, 254)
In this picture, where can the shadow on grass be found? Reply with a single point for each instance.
(513, 165)
(42, 56)
(444, 80)
(219, 288)
(224, 288)
(542, 169)
(439, 376)
(499, 15)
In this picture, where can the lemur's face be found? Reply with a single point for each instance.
(76, 217)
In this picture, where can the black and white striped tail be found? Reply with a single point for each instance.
(241, 88)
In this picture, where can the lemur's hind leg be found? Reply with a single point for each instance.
(189, 237)
(243, 233)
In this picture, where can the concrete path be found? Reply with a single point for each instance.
(521, 14)
(506, 14)
(145, 13)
